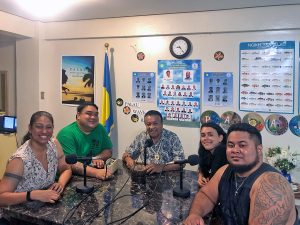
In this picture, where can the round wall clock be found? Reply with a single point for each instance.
(180, 47)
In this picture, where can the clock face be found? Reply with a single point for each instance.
(180, 47)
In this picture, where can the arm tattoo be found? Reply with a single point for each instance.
(273, 200)
(12, 175)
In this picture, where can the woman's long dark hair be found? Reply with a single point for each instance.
(33, 119)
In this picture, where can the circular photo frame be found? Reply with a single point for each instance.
(140, 56)
(119, 102)
(210, 116)
(126, 110)
(255, 120)
(276, 124)
(228, 118)
(294, 125)
(134, 118)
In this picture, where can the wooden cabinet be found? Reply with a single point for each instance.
(8, 145)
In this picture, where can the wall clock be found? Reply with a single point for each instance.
(180, 47)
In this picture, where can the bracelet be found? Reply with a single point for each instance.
(28, 199)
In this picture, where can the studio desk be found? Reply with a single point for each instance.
(147, 202)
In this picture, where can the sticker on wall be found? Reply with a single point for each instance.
(126, 110)
(119, 102)
(134, 118)
(219, 56)
(140, 56)
(209, 116)
(255, 120)
(294, 125)
(276, 124)
(228, 118)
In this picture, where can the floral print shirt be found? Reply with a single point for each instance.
(167, 149)
(35, 177)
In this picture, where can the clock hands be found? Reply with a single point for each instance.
(180, 48)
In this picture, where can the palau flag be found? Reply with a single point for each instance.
(107, 119)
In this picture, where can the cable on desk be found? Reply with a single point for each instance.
(95, 214)
(124, 219)
(74, 208)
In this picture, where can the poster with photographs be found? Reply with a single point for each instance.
(267, 76)
(77, 79)
(143, 84)
(178, 92)
(218, 89)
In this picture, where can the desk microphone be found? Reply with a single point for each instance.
(72, 159)
(181, 191)
(192, 160)
(148, 143)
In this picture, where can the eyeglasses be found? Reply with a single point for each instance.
(90, 114)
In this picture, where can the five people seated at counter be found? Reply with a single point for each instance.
(246, 190)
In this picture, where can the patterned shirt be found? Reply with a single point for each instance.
(167, 149)
(35, 177)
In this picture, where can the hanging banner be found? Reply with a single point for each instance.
(143, 84)
(77, 79)
(178, 92)
(267, 76)
(218, 89)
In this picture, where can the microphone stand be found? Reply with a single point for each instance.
(85, 189)
(145, 155)
(181, 191)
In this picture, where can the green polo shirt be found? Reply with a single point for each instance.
(74, 141)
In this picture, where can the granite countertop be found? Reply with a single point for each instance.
(153, 197)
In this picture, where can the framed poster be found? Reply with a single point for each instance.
(267, 76)
(143, 85)
(178, 92)
(77, 79)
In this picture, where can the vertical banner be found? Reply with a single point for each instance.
(77, 80)
(178, 92)
(143, 85)
(218, 89)
(107, 114)
(267, 76)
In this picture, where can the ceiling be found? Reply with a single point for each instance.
(100, 9)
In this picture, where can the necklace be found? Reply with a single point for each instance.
(237, 187)
(157, 149)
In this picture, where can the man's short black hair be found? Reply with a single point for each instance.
(154, 113)
(245, 127)
(82, 106)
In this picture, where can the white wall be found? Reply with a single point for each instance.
(7, 63)
(208, 31)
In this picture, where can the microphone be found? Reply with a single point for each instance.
(181, 191)
(73, 158)
(192, 160)
(148, 143)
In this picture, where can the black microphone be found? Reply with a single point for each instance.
(192, 160)
(73, 158)
(181, 191)
(148, 143)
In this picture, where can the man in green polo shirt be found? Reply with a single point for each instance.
(86, 137)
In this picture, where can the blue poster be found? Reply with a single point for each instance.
(143, 84)
(218, 89)
(178, 92)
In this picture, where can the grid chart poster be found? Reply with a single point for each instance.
(218, 89)
(178, 92)
(143, 85)
(77, 79)
(267, 76)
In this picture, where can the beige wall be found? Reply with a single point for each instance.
(38, 60)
